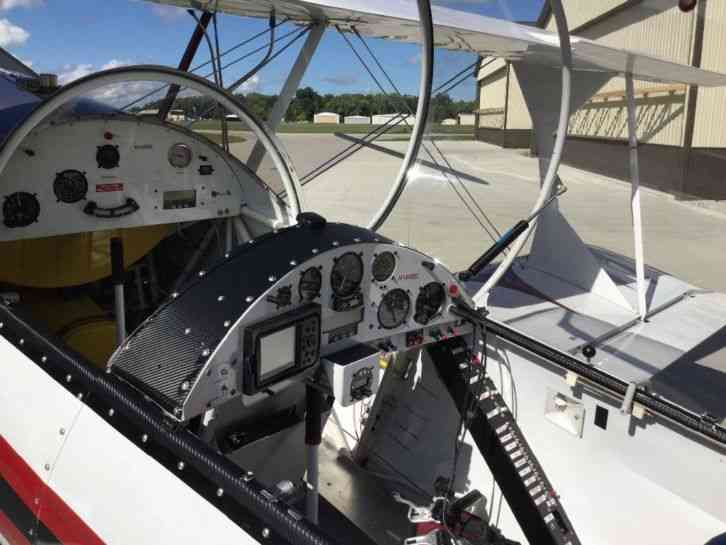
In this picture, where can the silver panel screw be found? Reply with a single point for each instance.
(144, 438)
(180, 466)
(220, 492)
(220, 298)
(293, 263)
(226, 323)
(265, 533)
(249, 299)
(187, 331)
(111, 412)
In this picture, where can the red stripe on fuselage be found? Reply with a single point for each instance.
(58, 517)
(10, 532)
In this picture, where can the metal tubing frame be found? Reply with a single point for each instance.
(292, 83)
(635, 197)
(424, 99)
(550, 178)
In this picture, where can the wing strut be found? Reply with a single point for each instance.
(185, 62)
(635, 197)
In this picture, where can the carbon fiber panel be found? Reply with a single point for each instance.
(173, 345)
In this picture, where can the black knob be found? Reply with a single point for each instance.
(589, 351)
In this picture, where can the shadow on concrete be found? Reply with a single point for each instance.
(429, 164)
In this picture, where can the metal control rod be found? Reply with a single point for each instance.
(505, 240)
(117, 276)
(313, 437)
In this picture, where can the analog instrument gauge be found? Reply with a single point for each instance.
(70, 186)
(394, 309)
(180, 156)
(20, 209)
(310, 282)
(107, 156)
(383, 266)
(347, 274)
(429, 302)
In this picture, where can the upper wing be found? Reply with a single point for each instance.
(486, 36)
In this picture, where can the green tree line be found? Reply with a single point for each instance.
(308, 102)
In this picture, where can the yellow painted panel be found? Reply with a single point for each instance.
(711, 105)
(71, 260)
(579, 12)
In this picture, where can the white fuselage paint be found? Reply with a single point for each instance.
(120, 492)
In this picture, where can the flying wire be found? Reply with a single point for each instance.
(431, 156)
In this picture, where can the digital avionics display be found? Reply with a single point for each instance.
(276, 354)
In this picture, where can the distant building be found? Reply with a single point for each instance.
(357, 120)
(382, 119)
(467, 120)
(174, 115)
(449, 121)
(326, 117)
(177, 115)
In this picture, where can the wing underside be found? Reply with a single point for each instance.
(457, 30)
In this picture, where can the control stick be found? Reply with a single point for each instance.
(313, 437)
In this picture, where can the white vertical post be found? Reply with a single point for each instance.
(288, 90)
(635, 196)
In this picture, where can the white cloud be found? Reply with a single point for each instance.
(167, 13)
(115, 63)
(249, 86)
(11, 4)
(72, 72)
(11, 34)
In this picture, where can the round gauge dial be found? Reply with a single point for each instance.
(429, 302)
(394, 308)
(310, 282)
(70, 186)
(346, 275)
(20, 209)
(383, 266)
(180, 156)
(107, 156)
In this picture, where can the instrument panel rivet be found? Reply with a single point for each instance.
(220, 492)
(180, 466)
(144, 438)
(315, 250)
(22, 341)
(271, 278)
(205, 352)
(184, 387)
(44, 359)
(174, 295)
(220, 298)
(249, 299)
(187, 331)
(80, 395)
(111, 412)
(62, 431)
(336, 243)
(265, 533)
(2, 325)
(68, 378)
(293, 263)
(47, 467)
(201, 273)
(226, 323)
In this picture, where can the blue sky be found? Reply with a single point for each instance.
(75, 37)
